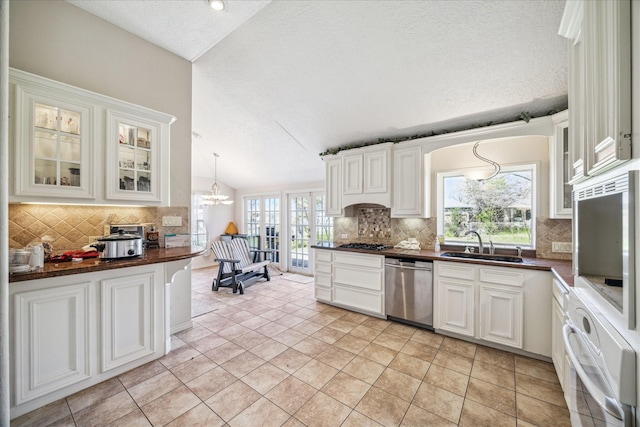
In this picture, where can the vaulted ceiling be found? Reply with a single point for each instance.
(276, 83)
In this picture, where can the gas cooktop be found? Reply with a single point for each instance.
(366, 246)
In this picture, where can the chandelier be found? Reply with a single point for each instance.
(215, 198)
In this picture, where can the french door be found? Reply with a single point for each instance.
(308, 226)
(262, 223)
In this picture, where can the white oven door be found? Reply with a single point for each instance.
(587, 391)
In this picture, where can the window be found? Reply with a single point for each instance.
(198, 226)
(501, 209)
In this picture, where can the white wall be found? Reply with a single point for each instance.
(217, 217)
(54, 39)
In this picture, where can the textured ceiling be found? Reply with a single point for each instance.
(299, 77)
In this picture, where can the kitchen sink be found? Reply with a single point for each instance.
(486, 257)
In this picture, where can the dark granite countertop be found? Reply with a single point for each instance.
(150, 256)
(560, 268)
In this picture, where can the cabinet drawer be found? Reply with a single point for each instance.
(322, 267)
(501, 276)
(359, 277)
(456, 271)
(559, 294)
(322, 279)
(322, 293)
(359, 299)
(324, 256)
(370, 261)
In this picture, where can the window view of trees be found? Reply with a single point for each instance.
(500, 209)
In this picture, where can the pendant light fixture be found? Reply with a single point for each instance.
(482, 175)
(215, 198)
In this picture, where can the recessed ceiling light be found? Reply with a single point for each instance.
(217, 4)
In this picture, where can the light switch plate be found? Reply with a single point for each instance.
(344, 236)
(561, 247)
(171, 221)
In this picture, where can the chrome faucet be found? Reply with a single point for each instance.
(480, 246)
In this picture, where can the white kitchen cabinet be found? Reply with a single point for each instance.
(333, 186)
(501, 315)
(350, 280)
(137, 148)
(322, 277)
(558, 321)
(454, 301)
(51, 340)
(599, 36)
(70, 143)
(560, 201)
(72, 332)
(409, 198)
(456, 307)
(499, 305)
(128, 321)
(53, 132)
(366, 175)
(358, 281)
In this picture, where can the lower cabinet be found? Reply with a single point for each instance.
(51, 340)
(501, 316)
(71, 332)
(558, 320)
(350, 280)
(127, 319)
(494, 304)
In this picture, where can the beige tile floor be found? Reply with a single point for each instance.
(275, 356)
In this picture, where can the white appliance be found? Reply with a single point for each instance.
(600, 372)
(604, 238)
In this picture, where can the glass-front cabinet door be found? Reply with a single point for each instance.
(134, 169)
(53, 147)
(134, 158)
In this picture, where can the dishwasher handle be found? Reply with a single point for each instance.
(410, 265)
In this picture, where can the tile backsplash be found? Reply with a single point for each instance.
(71, 227)
(375, 225)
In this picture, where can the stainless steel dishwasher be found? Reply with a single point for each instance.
(409, 291)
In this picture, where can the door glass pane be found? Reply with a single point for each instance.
(70, 174)
(70, 122)
(272, 226)
(253, 222)
(70, 148)
(46, 117)
(45, 172)
(45, 144)
(299, 220)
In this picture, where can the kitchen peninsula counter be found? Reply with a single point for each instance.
(150, 256)
(560, 268)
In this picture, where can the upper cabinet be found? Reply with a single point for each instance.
(137, 153)
(53, 133)
(409, 171)
(385, 174)
(333, 186)
(366, 175)
(599, 36)
(560, 188)
(72, 144)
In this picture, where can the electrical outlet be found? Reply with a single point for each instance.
(93, 239)
(561, 247)
(344, 236)
(171, 221)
